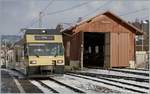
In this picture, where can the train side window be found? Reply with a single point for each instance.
(25, 50)
(18, 55)
(22, 53)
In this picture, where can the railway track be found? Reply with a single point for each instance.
(113, 76)
(68, 86)
(102, 78)
(131, 71)
(41, 84)
(119, 84)
(58, 87)
(136, 69)
(127, 83)
(127, 70)
(48, 87)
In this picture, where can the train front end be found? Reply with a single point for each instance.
(44, 52)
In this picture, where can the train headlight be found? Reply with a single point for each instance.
(59, 61)
(33, 62)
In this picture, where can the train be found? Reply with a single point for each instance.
(40, 52)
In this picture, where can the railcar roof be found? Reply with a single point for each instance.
(40, 31)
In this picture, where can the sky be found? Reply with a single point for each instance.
(17, 14)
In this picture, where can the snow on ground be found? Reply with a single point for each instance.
(74, 83)
(90, 86)
(109, 72)
(131, 82)
(61, 89)
(114, 83)
(43, 89)
(140, 71)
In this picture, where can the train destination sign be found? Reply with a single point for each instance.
(44, 37)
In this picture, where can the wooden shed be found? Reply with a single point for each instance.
(102, 41)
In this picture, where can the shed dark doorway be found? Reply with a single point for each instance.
(93, 49)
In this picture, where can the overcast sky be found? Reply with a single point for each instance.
(17, 14)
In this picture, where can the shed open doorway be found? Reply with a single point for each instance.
(94, 44)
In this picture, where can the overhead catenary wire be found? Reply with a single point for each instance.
(35, 20)
(68, 9)
(79, 5)
(42, 12)
(50, 3)
(110, 1)
(97, 9)
(59, 11)
(133, 12)
(147, 17)
(124, 14)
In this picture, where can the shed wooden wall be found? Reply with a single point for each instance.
(119, 47)
(119, 33)
(75, 47)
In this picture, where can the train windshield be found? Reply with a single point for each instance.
(46, 49)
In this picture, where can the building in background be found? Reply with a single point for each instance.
(7, 42)
(142, 44)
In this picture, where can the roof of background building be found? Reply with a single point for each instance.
(108, 13)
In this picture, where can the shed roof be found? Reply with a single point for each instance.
(112, 16)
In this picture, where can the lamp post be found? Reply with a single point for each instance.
(145, 29)
(142, 27)
(40, 19)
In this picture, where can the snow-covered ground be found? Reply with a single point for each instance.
(61, 89)
(131, 70)
(109, 72)
(131, 82)
(90, 86)
(42, 88)
(86, 85)
(114, 83)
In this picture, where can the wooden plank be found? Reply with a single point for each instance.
(123, 50)
(107, 51)
(114, 50)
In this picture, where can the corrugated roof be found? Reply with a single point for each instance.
(108, 13)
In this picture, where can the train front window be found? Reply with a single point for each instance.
(46, 49)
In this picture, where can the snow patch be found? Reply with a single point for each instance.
(109, 72)
(61, 89)
(114, 83)
(130, 70)
(88, 85)
(43, 89)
